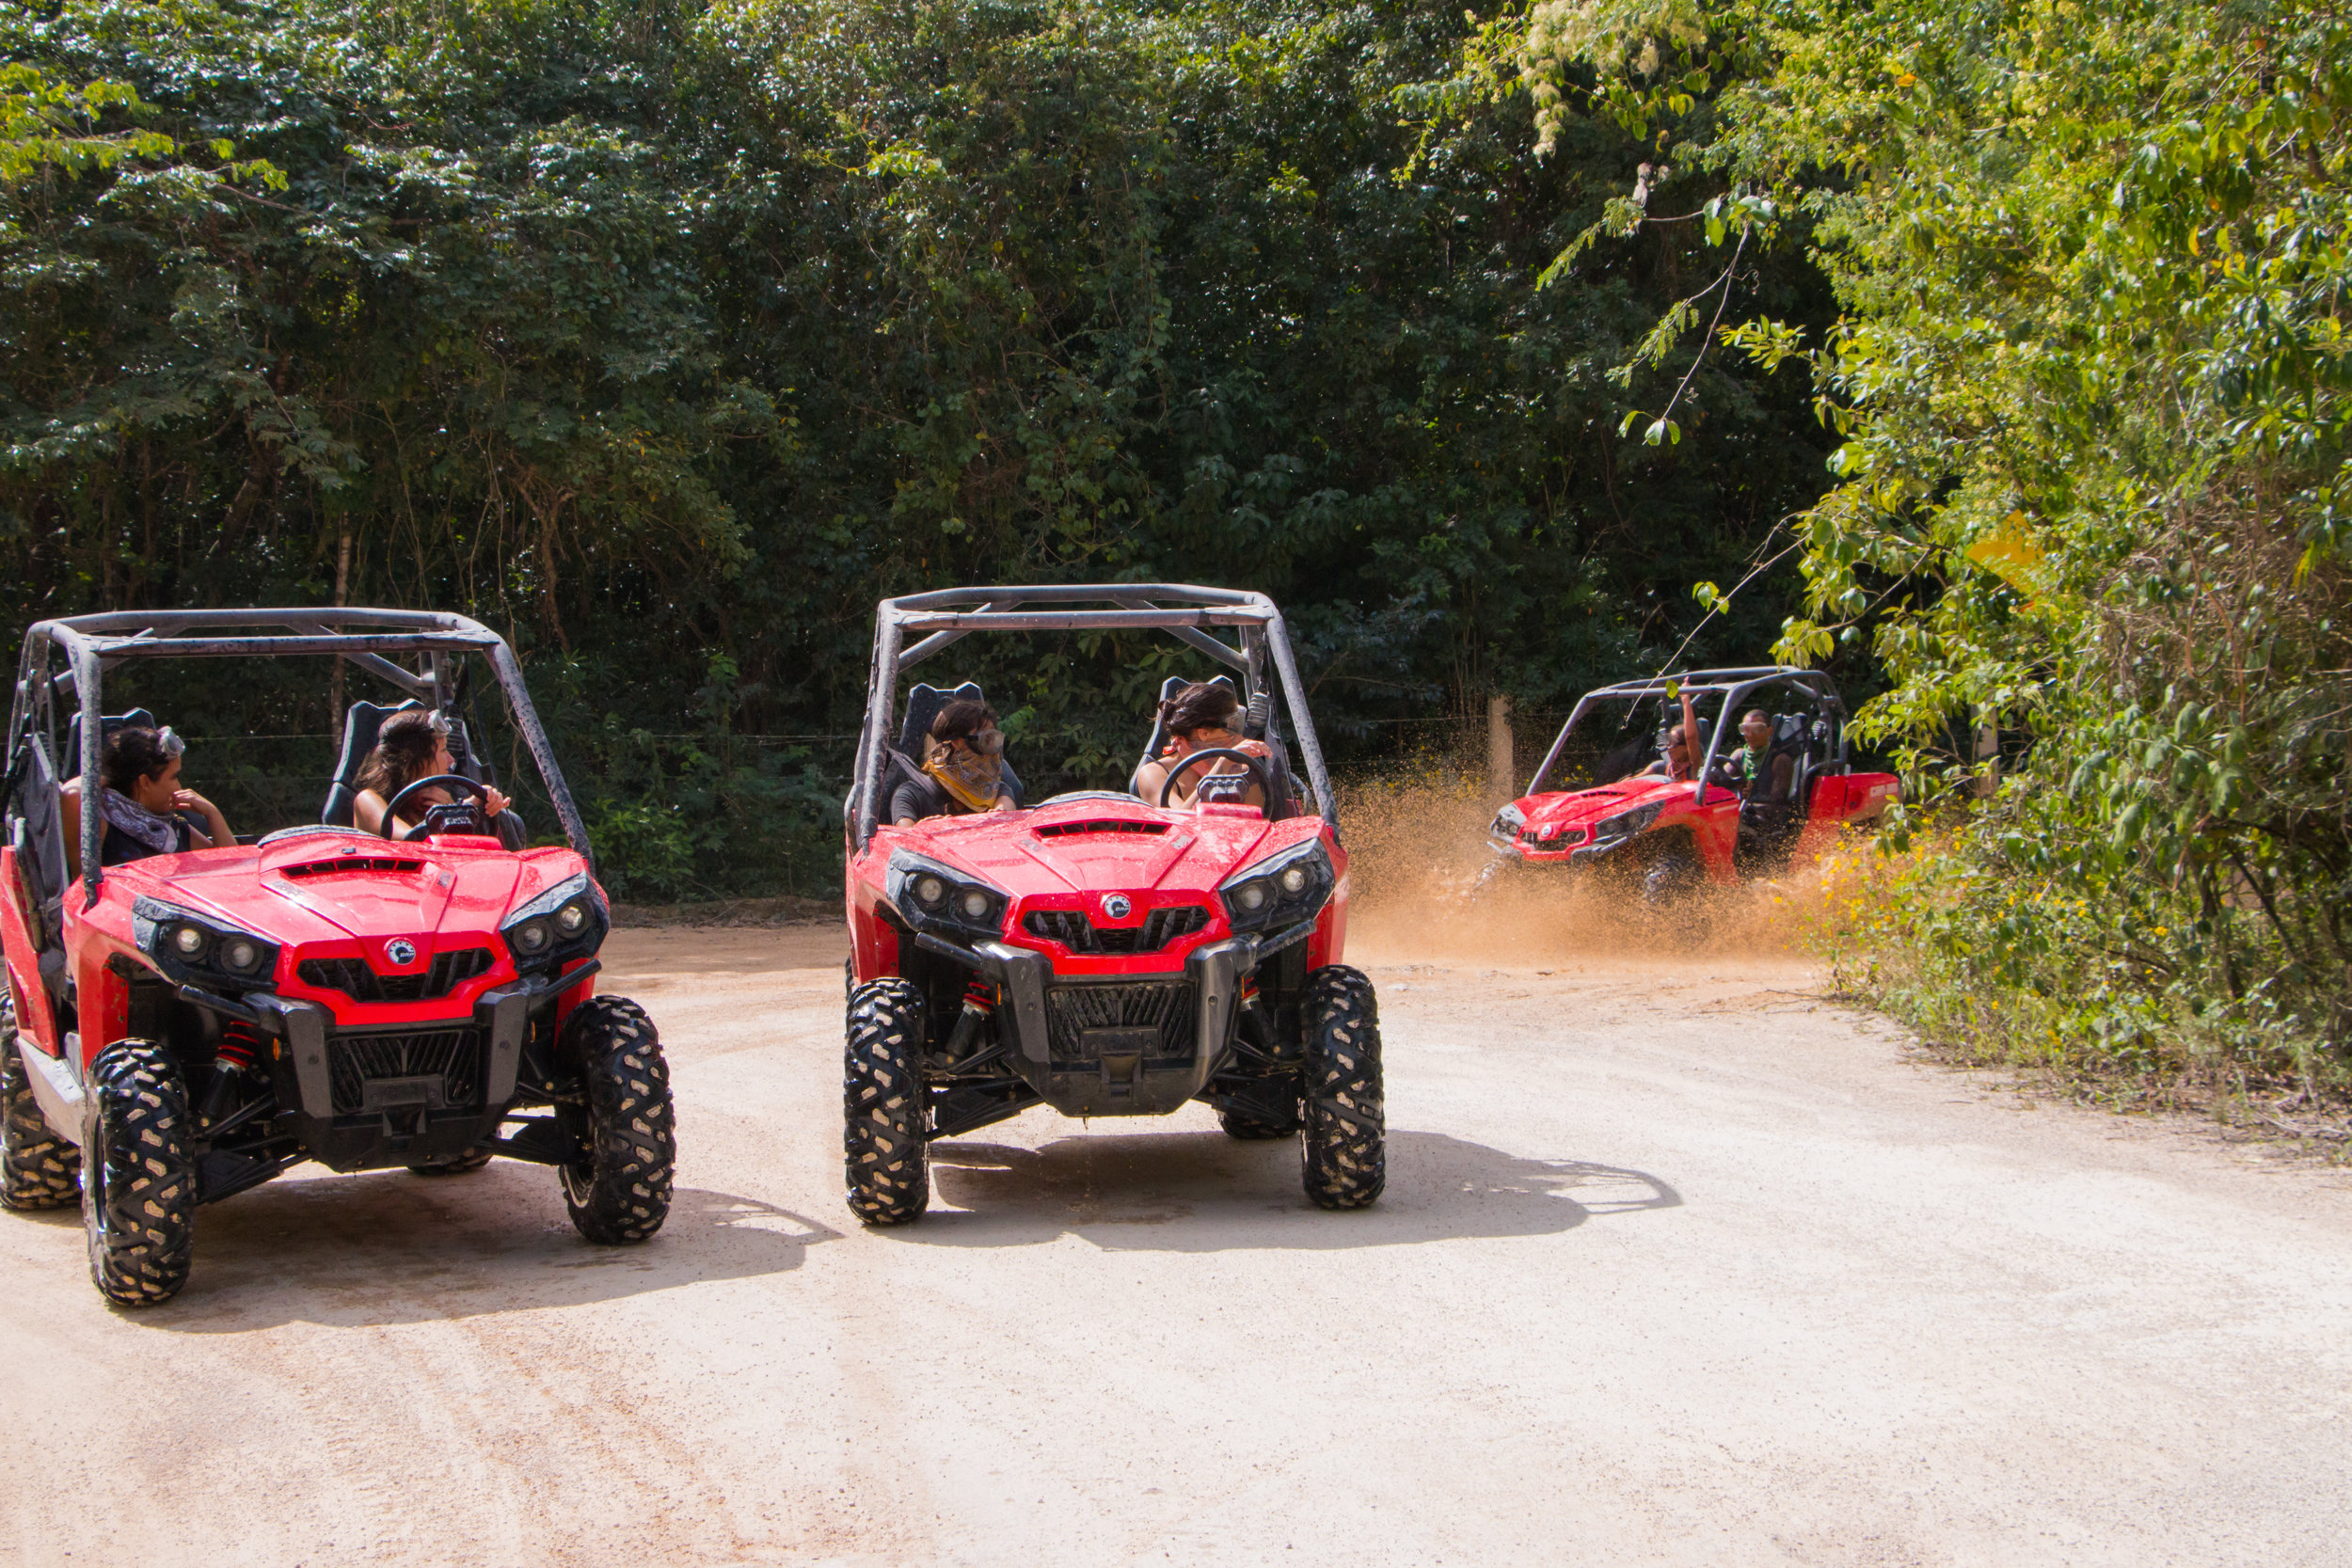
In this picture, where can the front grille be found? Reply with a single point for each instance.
(355, 979)
(436, 1069)
(1165, 1008)
(1074, 931)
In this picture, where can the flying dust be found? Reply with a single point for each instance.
(1425, 886)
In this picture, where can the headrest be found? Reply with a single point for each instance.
(71, 763)
(923, 705)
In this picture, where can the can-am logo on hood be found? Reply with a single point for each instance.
(401, 951)
(1115, 905)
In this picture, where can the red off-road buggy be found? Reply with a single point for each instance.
(1671, 838)
(1098, 952)
(186, 1026)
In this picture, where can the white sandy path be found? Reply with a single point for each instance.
(1677, 1265)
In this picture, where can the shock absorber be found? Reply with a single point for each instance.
(239, 1047)
(1259, 1019)
(979, 1005)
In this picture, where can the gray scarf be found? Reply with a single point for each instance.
(159, 833)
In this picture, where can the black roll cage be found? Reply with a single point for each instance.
(1735, 684)
(950, 614)
(93, 644)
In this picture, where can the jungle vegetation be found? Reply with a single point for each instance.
(1990, 351)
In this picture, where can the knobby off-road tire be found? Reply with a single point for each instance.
(619, 1191)
(464, 1165)
(1344, 1139)
(138, 1179)
(37, 1168)
(884, 1114)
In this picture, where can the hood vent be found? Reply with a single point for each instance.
(1110, 825)
(350, 864)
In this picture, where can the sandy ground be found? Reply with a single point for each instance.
(1678, 1265)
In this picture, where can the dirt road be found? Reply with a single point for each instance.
(1678, 1265)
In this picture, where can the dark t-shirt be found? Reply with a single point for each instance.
(116, 847)
(923, 796)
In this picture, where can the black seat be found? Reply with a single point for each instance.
(69, 764)
(361, 725)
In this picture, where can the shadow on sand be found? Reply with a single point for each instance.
(1203, 1192)
(388, 1247)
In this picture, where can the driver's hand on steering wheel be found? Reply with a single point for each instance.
(494, 801)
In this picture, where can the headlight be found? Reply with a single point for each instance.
(1280, 889)
(199, 950)
(934, 896)
(1613, 830)
(569, 921)
(1507, 822)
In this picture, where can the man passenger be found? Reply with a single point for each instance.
(964, 770)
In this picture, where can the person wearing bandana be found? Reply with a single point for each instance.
(963, 767)
(141, 802)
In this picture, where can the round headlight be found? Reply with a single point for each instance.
(241, 956)
(189, 940)
(531, 937)
(572, 918)
(930, 892)
(974, 905)
(1295, 880)
(1251, 896)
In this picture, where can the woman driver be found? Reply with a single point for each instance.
(412, 745)
(1199, 719)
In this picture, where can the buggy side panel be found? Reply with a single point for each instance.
(34, 1019)
(1837, 799)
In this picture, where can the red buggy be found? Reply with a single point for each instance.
(185, 1027)
(1590, 808)
(1100, 953)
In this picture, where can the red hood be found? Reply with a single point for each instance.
(324, 887)
(1582, 807)
(1099, 844)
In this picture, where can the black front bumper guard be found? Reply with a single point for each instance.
(503, 1017)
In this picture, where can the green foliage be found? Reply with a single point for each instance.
(669, 336)
(2089, 380)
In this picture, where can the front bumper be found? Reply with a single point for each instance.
(1123, 1046)
(366, 1098)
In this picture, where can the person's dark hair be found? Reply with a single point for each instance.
(961, 718)
(133, 752)
(1203, 704)
(1756, 713)
(404, 751)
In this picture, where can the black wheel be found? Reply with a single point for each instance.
(37, 1168)
(1673, 876)
(138, 1187)
(1344, 1136)
(883, 1113)
(464, 1165)
(619, 1190)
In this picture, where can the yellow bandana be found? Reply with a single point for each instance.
(968, 776)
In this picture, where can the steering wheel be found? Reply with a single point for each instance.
(1257, 773)
(481, 820)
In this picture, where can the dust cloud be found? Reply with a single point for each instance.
(1427, 886)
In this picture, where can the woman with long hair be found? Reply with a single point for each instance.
(412, 745)
(1201, 717)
